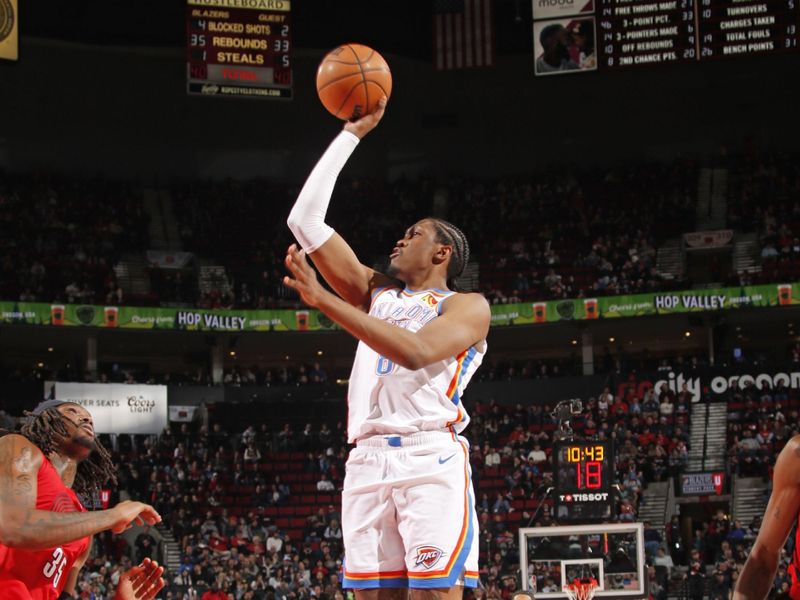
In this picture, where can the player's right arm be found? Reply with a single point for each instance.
(24, 527)
(758, 573)
(332, 255)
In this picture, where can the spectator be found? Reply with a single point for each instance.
(650, 404)
(492, 457)
(662, 559)
(145, 545)
(501, 504)
(333, 531)
(325, 485)
(537, 455)
(652, 539)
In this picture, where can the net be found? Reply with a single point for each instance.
(581, 589)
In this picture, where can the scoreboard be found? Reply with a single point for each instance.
(585, 35)
(239, 48)
(584, 476)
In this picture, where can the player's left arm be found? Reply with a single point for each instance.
(758, 574)
(464, 321)
(72, 577)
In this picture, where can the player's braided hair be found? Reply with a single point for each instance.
(92, 474)
(447, 233)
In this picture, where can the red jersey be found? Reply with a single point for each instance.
(41, 574)
(794, 566)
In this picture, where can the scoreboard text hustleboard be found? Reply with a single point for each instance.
(585, 35)
(239, 48)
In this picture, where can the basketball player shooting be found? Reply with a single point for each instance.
(45, 532)
(408, 515)
(782, 513)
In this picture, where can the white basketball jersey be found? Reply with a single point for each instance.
(385, 398)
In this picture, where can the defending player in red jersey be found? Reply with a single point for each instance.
(782, 513)
(45, 532)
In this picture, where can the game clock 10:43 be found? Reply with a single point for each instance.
(584, 476)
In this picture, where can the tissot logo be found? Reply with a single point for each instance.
(596, 497)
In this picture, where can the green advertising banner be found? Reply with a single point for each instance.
(637, 305)
(131, 317)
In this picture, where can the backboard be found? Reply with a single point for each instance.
(611, 553)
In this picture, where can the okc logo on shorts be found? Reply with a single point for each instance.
(427, 556)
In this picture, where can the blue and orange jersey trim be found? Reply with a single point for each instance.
(463, 362)
(435, 291)
(375, 575)
(386, 579)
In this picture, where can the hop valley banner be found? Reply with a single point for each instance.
(529, 313)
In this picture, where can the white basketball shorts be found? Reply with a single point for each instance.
(408, 513)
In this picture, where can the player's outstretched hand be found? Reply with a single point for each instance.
(128, 513)
(142, 582)
(368, 122)
(304, 279)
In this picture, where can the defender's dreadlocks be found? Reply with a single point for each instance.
(447, 233)
(92, 474)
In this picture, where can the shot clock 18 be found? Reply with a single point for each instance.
(584, 476)
(588, 461)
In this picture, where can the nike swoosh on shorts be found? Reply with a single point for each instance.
(442, 461)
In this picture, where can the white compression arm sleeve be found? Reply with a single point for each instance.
(307, 219)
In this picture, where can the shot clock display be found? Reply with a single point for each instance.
(584, 473)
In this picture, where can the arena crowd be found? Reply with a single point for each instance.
(596, 233)
(255, 512)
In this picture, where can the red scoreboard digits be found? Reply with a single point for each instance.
(239, 48)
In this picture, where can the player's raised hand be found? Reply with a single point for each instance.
(367, 123)
(128, 513)
(304, 279)
(142, 582)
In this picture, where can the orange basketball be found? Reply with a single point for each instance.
(351, 79)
